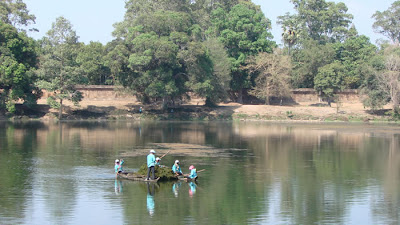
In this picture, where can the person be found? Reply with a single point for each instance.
(158, 161)
(140, 110)
(193, 172)
(151, 162)
(118, 166)
(176, 169)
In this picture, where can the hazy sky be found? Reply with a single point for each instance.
(93, 19)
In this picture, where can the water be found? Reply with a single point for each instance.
(256, 173)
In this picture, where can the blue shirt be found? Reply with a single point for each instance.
(118, 167)
(151, 160)
(176, 169)
(193, 173)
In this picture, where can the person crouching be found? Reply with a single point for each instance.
(176, 169)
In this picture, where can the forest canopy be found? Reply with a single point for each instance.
(165, 51)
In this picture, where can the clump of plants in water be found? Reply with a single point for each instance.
(165, 173)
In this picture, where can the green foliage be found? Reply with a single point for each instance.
(244, 31)
(15, 13)
(92, 64)
(165, 173)
(318, 20)
(330, 79)
(307, 61)
(387, 22)
(17, 62)
(59, 70)
(355, 54)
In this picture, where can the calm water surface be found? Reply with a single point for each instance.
(256, 173)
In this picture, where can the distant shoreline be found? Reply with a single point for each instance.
(110, 111)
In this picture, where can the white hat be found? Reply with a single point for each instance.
(117, 160)
(157, 159)
(152, 151)
(176, 161)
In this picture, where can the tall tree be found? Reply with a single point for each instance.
(15, 12)
(244, 31)
(319, 20)
(58, 69)
(17, 61)
(160, 53)
(387, 22)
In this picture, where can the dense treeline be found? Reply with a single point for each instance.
(217, 49)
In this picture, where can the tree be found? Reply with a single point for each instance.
(221, 69)
(58, 69)
(291, 30)
(387, 22)
(92, 64)
(272, 75)
(159, 54)
(307, 60)
(318, 20)
(390, 76)
(355, 54)
(329, 80)
(244, 32)
(17, 62)
(15, 13)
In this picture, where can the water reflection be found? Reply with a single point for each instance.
(118, 186)
(150, 198)
(256, 173)
(175, 188)
(192, 188)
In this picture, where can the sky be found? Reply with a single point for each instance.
(93, 19)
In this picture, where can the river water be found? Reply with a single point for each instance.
(256, 173)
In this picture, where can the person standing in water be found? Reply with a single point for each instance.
(151, 162)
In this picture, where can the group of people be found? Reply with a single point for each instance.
(152, 161)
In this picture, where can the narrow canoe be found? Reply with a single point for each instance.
(136, 177)
(187, 178)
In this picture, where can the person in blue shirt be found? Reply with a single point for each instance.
(118, 166)
(176, 169)
(158, 161)
(151, 162)
(193, 172)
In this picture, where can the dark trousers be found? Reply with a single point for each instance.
(151, 168)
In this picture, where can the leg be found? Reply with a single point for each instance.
(148, 172)
(152, 172)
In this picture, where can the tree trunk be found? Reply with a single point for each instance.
(396, 103)
(240, 96)
(164, 102)
(61, 109)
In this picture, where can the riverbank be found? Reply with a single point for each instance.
(129, 110)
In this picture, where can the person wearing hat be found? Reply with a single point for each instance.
(193, 172)
(176, 169)
(151, 162)
(158, 161)
(118, 166)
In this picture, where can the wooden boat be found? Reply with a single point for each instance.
(187, 179)
(134, 176)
